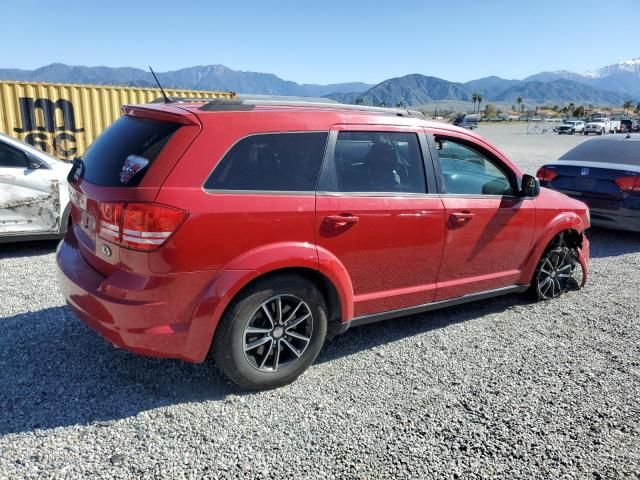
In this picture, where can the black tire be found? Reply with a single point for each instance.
(561, 260)
(229, 341)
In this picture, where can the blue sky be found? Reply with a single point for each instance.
(325, 41)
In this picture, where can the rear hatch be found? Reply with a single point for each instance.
(126, 165)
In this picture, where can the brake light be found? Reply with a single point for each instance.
(110, 221)
(629, 184)
(546, 174)
(139, 226)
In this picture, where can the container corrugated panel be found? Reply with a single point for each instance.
(63, 119)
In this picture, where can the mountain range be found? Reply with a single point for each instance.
(209, 77)
(610, 85)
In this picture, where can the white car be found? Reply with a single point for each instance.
(34, 196)
(570, 127)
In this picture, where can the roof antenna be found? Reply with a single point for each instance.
(167, 99)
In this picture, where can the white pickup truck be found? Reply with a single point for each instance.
(602, 125)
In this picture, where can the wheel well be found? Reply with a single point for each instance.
(322, 283)
(571, 238)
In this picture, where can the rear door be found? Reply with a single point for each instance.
(377, 213)
(489, 229)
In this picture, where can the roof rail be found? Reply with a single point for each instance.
(184, 99)
(243, 103)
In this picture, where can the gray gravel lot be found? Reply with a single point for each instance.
(503, 388)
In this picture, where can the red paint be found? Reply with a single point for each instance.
(379, 252)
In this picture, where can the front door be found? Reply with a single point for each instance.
(29, 198)
(374, 214)
(489, 227)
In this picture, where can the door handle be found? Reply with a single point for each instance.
(341, 220)
(462, 217)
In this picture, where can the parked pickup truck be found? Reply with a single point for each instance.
(570, 126)
(602, 125)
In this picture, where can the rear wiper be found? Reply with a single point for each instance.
(77, 170)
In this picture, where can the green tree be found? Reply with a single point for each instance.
(513, 108)
(479, 101)
(627, 105)
(474, 98)
(359, 101)
(579, 112)
(638, 108)
(520, 104)
(489, 111)
(400, 104)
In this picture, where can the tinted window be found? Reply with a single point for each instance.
(125, 137)
(287, 162)
(468, 171)
(376, 162)
(606, 151)
(12, 157)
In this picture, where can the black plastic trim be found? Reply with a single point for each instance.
(377, 317)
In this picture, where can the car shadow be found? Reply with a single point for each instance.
(27, 249)
(377, 334)
(56, 372)
(604, 242)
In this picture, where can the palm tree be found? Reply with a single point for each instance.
(479, 101)
(627, 105)
(474, 97)
(519, 102)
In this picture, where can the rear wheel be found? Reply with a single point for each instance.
(271, 333)
(554, 274)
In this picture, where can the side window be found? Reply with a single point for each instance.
(376, 162)
(468, 171)
(12, 157)
(288, 162)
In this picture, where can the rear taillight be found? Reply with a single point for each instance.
(546, 174)
(630, 183)
(139, 226)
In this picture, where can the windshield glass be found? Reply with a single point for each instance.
(606, 151)
(134, 140)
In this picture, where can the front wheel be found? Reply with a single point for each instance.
(271, 333)
(554, 274)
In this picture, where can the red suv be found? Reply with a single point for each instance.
(255, 229)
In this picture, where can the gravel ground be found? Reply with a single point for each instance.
(502, 388)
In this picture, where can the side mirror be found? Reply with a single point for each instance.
(34, 163)
(530, 186)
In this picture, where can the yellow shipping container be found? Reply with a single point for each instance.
(63, 119)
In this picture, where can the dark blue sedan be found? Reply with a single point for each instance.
(604, 173)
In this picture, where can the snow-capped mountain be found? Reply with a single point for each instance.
(628, 66)
(623, 77)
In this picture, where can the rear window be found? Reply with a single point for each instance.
(606, 151)
(286, 162)
(127, 137)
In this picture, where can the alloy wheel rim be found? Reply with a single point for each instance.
(278, 333)
(555, 274)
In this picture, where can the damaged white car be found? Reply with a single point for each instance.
(34, 196)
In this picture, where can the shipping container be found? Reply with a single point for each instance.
(63, 119)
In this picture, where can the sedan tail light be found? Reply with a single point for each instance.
(546, 174)
(630, 183)
(139, 226)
